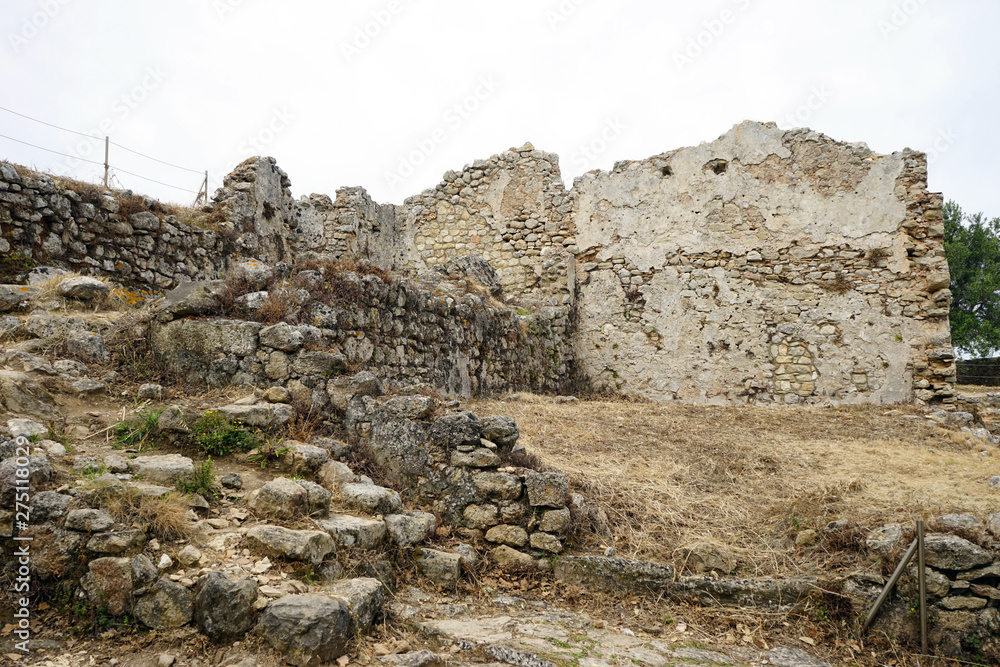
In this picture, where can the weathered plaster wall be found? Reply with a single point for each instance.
(766, 265)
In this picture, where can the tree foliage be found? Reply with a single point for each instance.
(972, 246)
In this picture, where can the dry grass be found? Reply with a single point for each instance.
(48, 291)
(752, 477)
(165, 516)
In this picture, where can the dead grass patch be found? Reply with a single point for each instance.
(166, 516)
(752, 477)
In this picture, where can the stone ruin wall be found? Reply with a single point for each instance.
(764, 266)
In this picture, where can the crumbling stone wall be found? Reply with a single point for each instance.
(400, 332)
(512, 210)
(766, 265)
(41, 220)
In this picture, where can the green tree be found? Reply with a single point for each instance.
(972, 246)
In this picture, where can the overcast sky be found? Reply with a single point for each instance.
(390, 94)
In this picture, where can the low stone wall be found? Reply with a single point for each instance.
(450, 463)
(51, 223)
(459, 346)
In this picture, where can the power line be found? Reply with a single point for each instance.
(82, 134)
(100, 164)
(146, 178)
(90, 136)
(193, 171)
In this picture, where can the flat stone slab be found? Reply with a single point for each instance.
(304, 545)
(762, 593)
(164, 468)
(352, 531)
(614, 574)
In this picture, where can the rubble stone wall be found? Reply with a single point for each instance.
(767, 265)
(403, 334)
(49, 222)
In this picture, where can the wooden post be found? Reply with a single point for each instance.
(107, 143)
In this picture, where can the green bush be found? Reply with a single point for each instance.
(140, 432)
(203, 480)
(217, 436)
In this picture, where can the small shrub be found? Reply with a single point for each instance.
(237, 284)
(203, 480)
(140, 432)
(217, 436)
(278, 307)
(131, 346)
(131, 204)
(13, 265)
(838, 285)
(269, 452)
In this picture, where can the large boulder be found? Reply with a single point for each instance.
(89, 521)
(19, 394)
(351, 531)
(223, 608)
(163, 468)
(312, 546)
(83, 288)
(441, 567)
(363, 596)
(39, 472)
(166, 605)
(281, 498)
(410, 528)
(190, 298)
(950, 552)
(108, 584)
(370, 498)
(308, 629)
(88, 346)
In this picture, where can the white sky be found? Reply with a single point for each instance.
(198, 82)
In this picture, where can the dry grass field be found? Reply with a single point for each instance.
(752, 478)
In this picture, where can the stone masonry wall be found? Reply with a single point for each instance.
(403, 334)
(49, 223)
(766, 265)
(763, 266)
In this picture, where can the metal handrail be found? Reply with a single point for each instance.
(917, 547)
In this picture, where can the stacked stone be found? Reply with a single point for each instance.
(963, 579)
(50, 223)
(460, 347)
(513, 210)
(453, 464)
